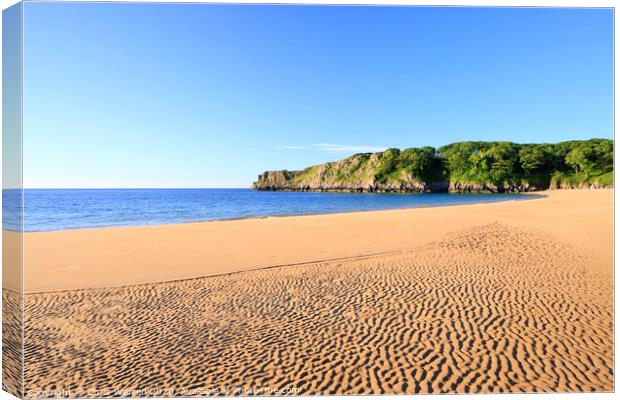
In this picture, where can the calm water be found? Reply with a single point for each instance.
(49, 210)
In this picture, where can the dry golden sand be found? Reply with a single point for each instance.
(506, 297)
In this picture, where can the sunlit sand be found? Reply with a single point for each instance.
(514, 296)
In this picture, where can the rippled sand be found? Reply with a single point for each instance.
(496, 307)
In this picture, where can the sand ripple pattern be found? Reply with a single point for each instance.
(495, 309)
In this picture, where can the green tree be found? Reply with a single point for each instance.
(605, 155)
(532, 158)
(583, 159)
(458, 159)
(422, 163)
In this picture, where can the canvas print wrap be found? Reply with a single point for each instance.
(233, 199)
(12, 201)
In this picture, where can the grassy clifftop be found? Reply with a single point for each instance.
(462, 166)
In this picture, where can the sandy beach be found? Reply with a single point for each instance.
(96, 258)
(505, 297)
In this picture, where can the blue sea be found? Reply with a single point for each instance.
(60, 209)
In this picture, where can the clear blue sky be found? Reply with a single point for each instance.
(179, 95)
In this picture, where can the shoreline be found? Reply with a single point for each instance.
(112, 257)
(539, 194)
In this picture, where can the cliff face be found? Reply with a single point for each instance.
(355, 174)
(459, 167)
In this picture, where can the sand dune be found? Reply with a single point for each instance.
(503, 306)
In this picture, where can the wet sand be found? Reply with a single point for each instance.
(503, 297)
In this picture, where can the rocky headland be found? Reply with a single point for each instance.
(462, 167)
